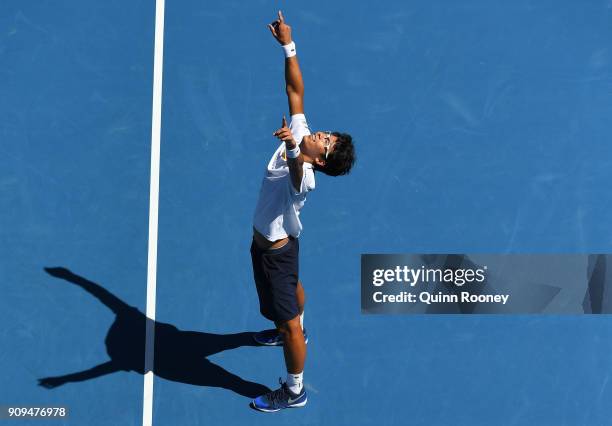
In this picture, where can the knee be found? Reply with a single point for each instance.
(290, 328)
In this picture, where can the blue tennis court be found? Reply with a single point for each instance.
(479, 127)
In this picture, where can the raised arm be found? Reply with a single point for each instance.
(295, 162)
(294, 84)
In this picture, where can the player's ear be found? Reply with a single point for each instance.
(319, 162)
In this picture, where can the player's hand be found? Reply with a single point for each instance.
(280, 30)
(284, 134)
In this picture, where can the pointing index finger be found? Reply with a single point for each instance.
(280, 16)
(284, 121)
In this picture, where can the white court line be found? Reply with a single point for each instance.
(158, 61)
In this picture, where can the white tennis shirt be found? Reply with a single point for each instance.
(277, 214)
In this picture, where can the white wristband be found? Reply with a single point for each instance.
(289, 50)
(293, 153)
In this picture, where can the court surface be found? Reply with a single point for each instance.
(480, 127)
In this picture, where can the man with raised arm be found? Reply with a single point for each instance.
(288, 178)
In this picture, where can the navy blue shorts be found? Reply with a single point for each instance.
(276, 277)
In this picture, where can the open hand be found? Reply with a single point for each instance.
(280, 30)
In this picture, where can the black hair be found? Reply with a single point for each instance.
(342, 158)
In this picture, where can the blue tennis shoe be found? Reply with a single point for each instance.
(279, 399)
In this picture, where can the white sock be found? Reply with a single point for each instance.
(294, 382)
(302, 320)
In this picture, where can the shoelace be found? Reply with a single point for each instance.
(279, 395)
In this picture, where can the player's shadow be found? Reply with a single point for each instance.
(180, 356)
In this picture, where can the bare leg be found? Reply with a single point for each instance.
(294, 346)
(301, 297)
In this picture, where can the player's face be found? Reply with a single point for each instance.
(321, 144)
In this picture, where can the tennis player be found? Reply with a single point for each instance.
(289, 177)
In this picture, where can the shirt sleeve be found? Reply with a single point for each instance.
(299, 127)
(307, 185)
